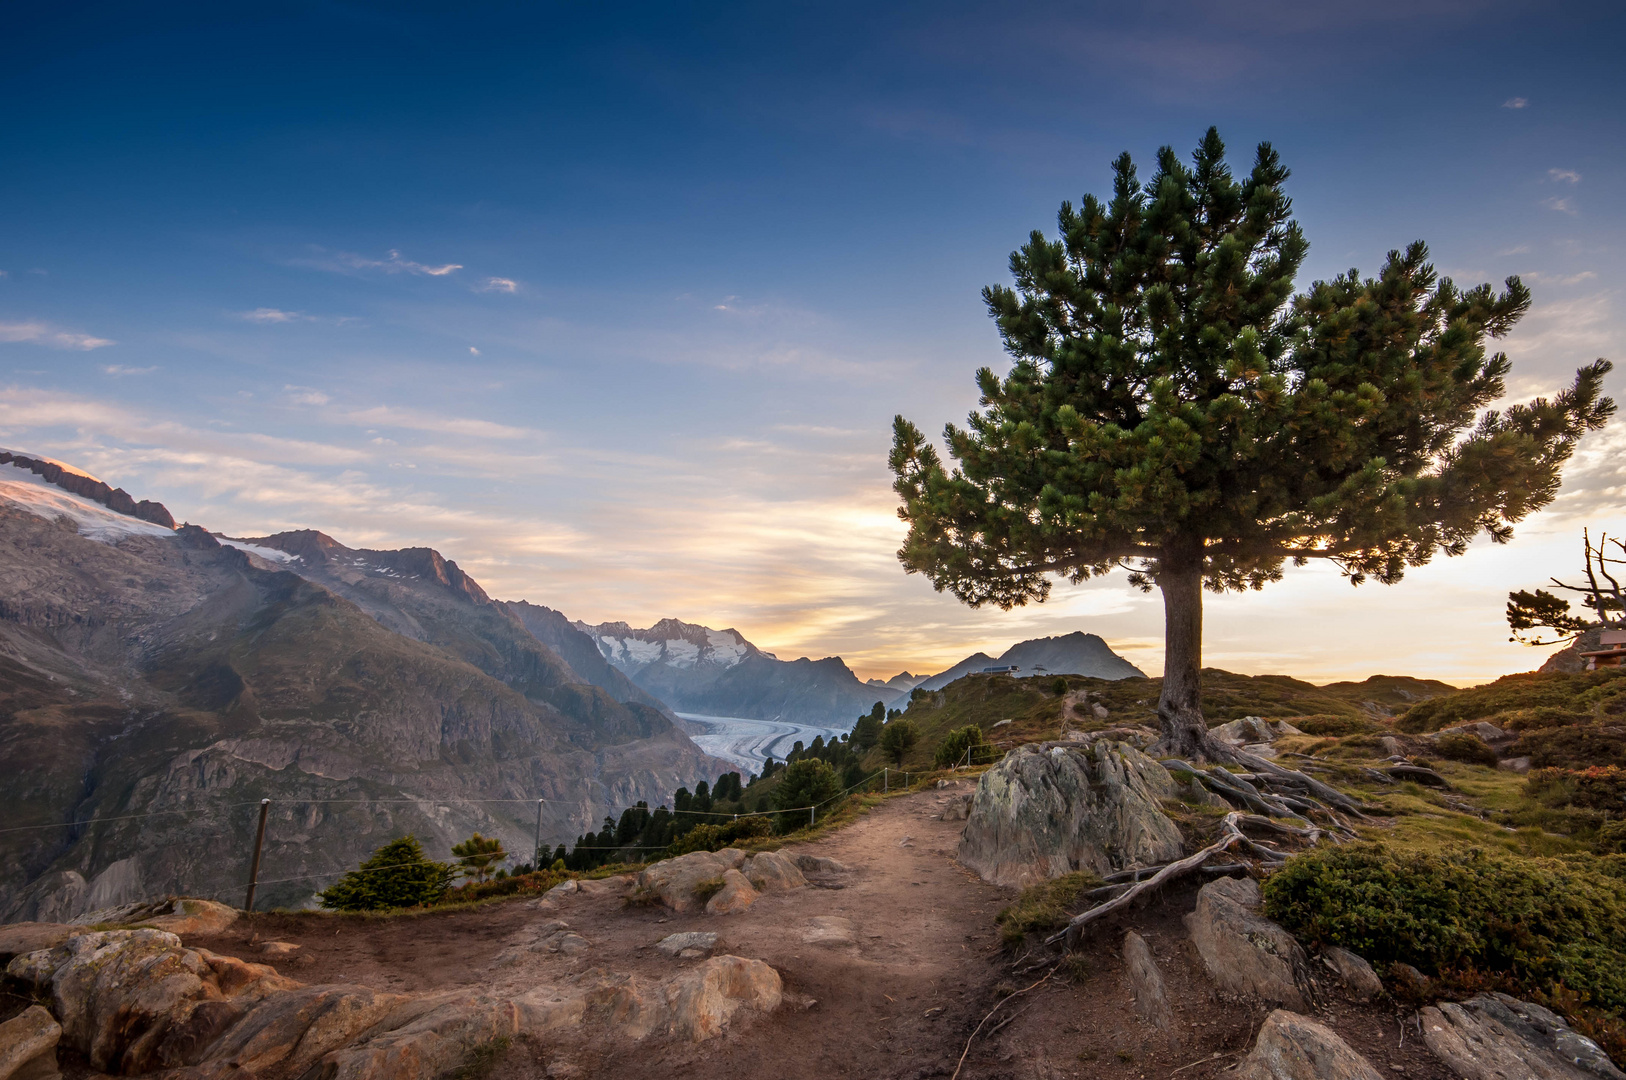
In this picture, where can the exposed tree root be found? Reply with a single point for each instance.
(1230, 834)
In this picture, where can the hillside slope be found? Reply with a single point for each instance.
(1077, 653)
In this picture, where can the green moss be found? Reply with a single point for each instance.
(1520, 702)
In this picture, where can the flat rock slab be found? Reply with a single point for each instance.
(19, 938)
(1146, 983)
(1244, 952)
(1497, 1037)
(830, 930)
(1294, 1047)
(694, 943)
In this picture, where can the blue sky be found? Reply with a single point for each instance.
(614, 305)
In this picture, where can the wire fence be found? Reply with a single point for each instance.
(812, 810)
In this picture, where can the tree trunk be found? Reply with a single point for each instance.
(1180, 706)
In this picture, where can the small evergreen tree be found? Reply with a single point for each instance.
(397, 875)
(476, 854)
(963, 746)
(897, 738)
(809, 782)
(867, 732)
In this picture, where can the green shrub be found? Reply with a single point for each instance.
(963, 746)
(1328, 725)
(708, 888)
(1043, 907)
(1520, 701)
(1573, 747)
(717, 837)
(534, 883)
(808, 782)
(1465, 747)
(397, 875)
(1059, 687)
(1601, 787)
(1546, 924)
(1612, 838)
(476, 854)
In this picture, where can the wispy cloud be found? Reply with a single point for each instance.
(1563, 206)
(1564, 176)
(1560, 279)
(498, 284)
(394, 264)
(391, 416)
(39, 333)
(120, 369)
(304, 395)
(1515, 103)
(273, 315)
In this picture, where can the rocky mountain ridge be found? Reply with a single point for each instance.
(163, 681)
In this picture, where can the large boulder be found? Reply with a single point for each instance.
(1252, 729)
(1245, 953)
(287, 1033)
(1048, 809)
(28, 1046)
(735, 896)
(773, 871)
(1358, 977)
(674, 882)
(1497, 1037)
(1293, 1047)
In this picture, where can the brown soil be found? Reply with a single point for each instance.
(925, 968)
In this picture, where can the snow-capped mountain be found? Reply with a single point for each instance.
(696, 669)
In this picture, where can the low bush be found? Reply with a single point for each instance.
(537, 882)
(1327, 724)
(1548, 925)
(708, 888)
(1467, 748)
(718, 837)
(1044, 907)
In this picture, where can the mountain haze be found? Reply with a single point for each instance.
(696, 669)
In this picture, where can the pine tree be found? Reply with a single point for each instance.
(397, 875)
(476, 854)
(1173, 409)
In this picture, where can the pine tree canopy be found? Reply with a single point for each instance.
(1168, 389)
(1173, 408)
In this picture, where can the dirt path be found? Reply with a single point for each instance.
(897, 1000)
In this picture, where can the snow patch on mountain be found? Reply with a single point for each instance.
(270, 555)
(30, 493)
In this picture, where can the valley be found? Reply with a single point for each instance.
(748, 743)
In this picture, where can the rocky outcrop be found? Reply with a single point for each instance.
(133, 1000)
(137, 1001)
(1497, 1037)
(1361, 982)
(1294, 1047)
(1245, 953)
(689, 945)
(675, 882)
(176, 915)
(19, 938)
(1146, 984)
(1051, 808)
(1252, 729)
(28, 1046)
(696, 1004)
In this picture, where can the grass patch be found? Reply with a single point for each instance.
(708, 888)
(1044, 907)
(481, 1060)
